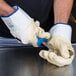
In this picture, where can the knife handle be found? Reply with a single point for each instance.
(40, 41)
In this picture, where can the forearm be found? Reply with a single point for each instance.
(62, 10)
(5, 9)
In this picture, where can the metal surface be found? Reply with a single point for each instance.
(10, 42)
(25, 61)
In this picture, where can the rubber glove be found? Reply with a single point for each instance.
(61, 39)
(23, 27)
(60, 51)
(55, 59)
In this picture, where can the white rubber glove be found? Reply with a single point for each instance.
(23, 27)
(56, 59)
(61, 39)
(61, 52)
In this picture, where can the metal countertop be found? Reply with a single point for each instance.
(22, 60)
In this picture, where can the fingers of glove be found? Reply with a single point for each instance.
(43, 54)
(53, 60)
(44, 35)
(37, 23)
(40, 32)
(58, 60)
(61, 45)
(71, 50)
(67, 51)
(34, 41)
(64, 51)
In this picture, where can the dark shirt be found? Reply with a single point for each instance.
(38, 9)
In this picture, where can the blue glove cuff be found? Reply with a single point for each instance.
(63, 24)
(12, 12)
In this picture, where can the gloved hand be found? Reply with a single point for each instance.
(52, 57)
(23, 27)
(60, 49)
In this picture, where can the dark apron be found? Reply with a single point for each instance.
(38, 9)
